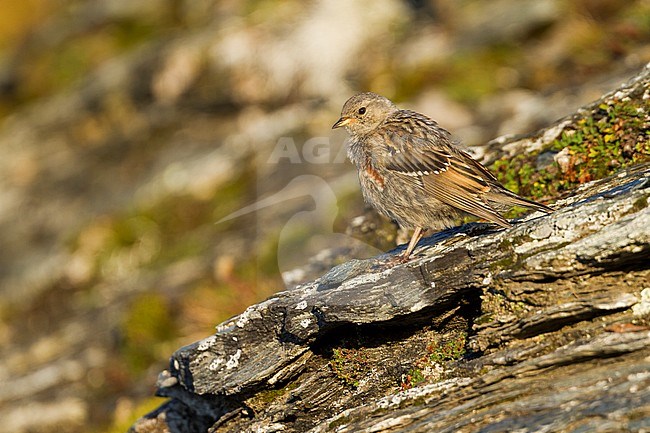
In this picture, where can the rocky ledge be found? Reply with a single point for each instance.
(541, 327)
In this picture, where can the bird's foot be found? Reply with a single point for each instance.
(391, 261)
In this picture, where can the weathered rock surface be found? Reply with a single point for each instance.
(541, 327)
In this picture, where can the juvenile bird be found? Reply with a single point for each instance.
(410, 170)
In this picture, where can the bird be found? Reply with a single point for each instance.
(411, 171)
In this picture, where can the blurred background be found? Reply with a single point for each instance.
(128, 129)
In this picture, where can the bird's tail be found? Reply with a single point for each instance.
(509, 198)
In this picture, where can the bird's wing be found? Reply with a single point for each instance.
(421, 151)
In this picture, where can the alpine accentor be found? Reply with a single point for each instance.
(410, 170)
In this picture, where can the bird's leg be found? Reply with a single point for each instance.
(417, 234)
(406, 255)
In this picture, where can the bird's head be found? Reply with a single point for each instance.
(363, 112)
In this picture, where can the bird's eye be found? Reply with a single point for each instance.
(362, 110)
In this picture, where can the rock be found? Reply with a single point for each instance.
(543, 326)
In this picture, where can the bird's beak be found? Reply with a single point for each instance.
(341, 122)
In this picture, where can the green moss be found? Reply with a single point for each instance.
(613, 136)
(264, 398)
(438, 362)
(349, 365)
(504, 263)
(414, 377)
(495, 305)
(484, 318)
(450, 348)
(506, 247)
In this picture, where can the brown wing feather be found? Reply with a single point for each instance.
(465, 193)
(421, 150)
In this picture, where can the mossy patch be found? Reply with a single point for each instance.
(506, 262)
(612, 136)
(449, 348)
(495, 305)
(265, 398)
(442, 352)
(414, 377)
(349, 365)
